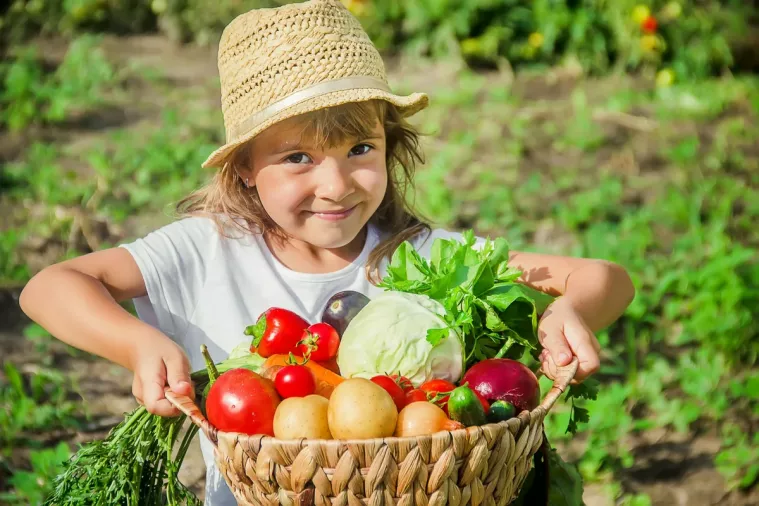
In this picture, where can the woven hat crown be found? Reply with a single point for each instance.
(268, 54)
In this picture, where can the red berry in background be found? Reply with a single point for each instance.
(391, 387)
(649, 24)
(295, 381)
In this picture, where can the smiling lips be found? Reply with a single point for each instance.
(334, 215)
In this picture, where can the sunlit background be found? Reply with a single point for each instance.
(616, 129)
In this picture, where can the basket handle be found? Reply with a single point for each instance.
(564, 376)
(189, 408)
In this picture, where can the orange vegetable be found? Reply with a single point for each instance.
(326, 380)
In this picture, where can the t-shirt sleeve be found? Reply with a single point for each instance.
(173, 261)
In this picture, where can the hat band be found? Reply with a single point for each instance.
(316, 90)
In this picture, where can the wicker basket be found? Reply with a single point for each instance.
(478, 465)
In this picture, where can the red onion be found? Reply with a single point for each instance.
(503, 379)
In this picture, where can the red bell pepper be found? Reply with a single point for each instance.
(277, 331)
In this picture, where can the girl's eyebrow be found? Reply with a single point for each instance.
(283, 148)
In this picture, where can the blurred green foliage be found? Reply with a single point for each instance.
(686, 38)
(691, 38)
(184, 20)
(30, 94)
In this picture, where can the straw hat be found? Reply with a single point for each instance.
(281, 62)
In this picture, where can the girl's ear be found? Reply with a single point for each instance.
(241, 162)
(247, 178)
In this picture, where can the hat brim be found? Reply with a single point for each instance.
(407, 106)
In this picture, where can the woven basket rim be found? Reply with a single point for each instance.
(389, 439)
(564, 376)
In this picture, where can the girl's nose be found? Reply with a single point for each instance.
(334, 182)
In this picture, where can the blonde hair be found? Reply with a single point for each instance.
(226, 196)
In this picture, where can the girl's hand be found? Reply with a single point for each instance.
(157, 366)
(563, 333)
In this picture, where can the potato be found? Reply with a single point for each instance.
(302, 417)
(361, 409)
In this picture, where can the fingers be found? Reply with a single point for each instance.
(565, 335)
(148, 388)
(552, 338)
(585, 347)
(178, 375)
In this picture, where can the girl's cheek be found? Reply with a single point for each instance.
(372, 179)
(287, 190)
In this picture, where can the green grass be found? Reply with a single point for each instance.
(676, 205)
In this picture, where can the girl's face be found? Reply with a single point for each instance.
(322, 196)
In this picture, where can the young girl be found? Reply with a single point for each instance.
(308, 199)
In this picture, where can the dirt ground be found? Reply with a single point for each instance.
(671, 469)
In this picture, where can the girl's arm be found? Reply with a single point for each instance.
(77, 301)
(592, 295)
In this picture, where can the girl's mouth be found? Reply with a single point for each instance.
(334, 215)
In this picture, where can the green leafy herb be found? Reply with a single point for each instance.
(495, 315)
(588, 389)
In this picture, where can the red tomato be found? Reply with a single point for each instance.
(242, 401)
(415, 395)
(438, 386)
(403, 382)
(323, 341)
(391, 387)
(483, 401)
(649, 24)
(295, 381)
(277, 331)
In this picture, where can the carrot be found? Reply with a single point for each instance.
(326, 380)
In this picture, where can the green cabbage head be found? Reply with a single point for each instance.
(389, 336)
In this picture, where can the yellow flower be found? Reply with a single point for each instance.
(649, 43)
(665, 78)
(536, 39)
(640, 12)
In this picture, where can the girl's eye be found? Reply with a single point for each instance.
(298, 158)
(361, 149)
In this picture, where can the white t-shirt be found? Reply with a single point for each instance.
(203, 287)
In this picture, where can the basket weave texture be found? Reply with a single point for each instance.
(484, 465)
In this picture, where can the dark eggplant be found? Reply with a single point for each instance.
(342, 307)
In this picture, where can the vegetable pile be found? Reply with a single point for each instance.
(440, 350)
